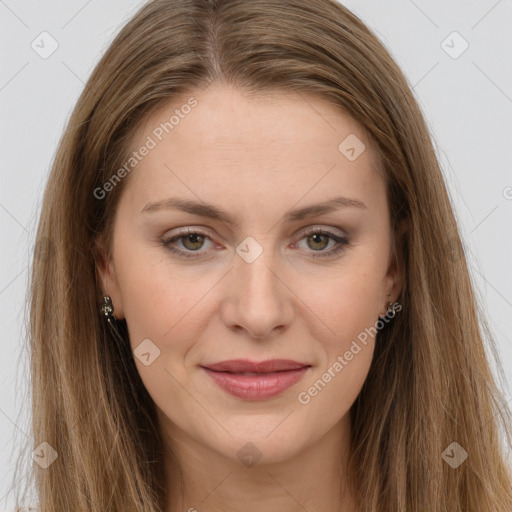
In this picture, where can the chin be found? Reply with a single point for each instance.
(262, 443)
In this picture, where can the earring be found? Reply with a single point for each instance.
(390, 309)
(107, 309)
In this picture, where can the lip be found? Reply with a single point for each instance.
(253, 380)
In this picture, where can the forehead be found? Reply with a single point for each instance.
(218, 104)
(222, 118)
(280, 145)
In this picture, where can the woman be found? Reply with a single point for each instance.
(256, 297)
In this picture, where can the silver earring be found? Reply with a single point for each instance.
(107, 309)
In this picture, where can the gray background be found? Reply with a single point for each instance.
(466, 98)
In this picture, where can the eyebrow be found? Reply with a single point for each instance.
(209, 210)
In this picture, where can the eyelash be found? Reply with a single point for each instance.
(341, 241)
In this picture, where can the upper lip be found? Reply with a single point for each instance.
(244, 365)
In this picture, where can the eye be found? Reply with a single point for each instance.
(191, 240)
(316, 239)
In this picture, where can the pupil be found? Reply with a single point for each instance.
(317, 239)
(191, 240)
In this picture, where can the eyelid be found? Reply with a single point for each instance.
(201, 230)
(341, 240)
(320, 228)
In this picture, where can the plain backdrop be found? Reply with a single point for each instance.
(456, 56)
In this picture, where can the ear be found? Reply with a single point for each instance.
(106, 273)
(396, 270)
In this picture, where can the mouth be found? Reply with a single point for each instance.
(251, 380)
(246, 366)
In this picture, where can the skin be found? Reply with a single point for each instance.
(256, 158)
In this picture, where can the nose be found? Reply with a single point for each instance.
(257, 297)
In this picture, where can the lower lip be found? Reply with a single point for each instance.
(257, 387)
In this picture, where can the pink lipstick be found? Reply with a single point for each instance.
(256, 380)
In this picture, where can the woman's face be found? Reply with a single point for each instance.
(214, 260)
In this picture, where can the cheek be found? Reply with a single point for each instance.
(165, 314)
(157, 298)
(349, 307)
(333, 390)
(346, 304)
(161, 315)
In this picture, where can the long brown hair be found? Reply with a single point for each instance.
(430, 383)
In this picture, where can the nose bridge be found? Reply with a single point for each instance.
(255, 267)
(259, 300)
